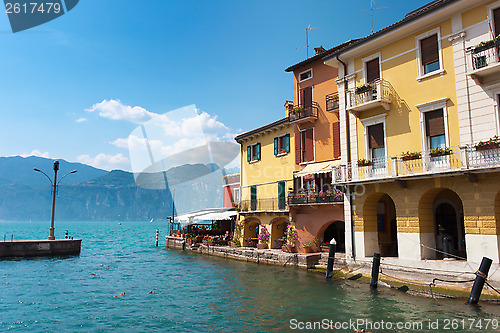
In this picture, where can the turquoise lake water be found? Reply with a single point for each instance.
(169, 290)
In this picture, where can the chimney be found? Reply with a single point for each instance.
(319, 50)
(288, 105)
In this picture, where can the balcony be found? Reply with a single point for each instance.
(301, 114)
(464, 160)
(312, 198)
(332, 102)
(370, 96)
(484, 60)
(263, 205)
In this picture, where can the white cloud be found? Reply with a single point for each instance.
(106, 162)
(81, 120)
(36, 153)
(114, 109)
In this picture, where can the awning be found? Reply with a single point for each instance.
(320, 167)
(213, 214)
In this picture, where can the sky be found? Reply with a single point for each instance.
(77, 87)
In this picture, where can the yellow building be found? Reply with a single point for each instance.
(267, 165)
(416, 99)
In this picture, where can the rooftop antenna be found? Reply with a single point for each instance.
(307, 40)
(371, 9)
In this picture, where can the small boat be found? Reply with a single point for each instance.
(151, 221)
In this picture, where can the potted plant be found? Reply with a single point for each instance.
(316, 245)
(364, 88)
(411, 156)
(236, 240)
(435, 152)
(485, 45)
(307, 247)
(325, 247)
(492, 143)
(291, 237)
(363, 162)
(263, 238)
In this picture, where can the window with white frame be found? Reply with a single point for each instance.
(371, 68)
(235, 195)
(429, 57)
(375, 142)
(433, 124)
(306, 75)
(494, 17)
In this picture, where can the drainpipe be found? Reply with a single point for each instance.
(348, 142)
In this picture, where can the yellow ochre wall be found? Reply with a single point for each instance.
(270, 169)
(400, 69)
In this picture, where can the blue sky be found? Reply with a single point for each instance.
(76, 87)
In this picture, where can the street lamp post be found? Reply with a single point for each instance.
(54, 185)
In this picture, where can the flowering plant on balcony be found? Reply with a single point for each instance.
(492, 143)
(440, 151)
(302, 194)
(363, 162)
(291, 235)
(407, 156)
(263, 235)
(485, 45)
(363, 88)
(297, 109)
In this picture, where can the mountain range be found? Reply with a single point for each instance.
(93, 194)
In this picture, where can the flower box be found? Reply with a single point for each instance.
(442, 153)
(325, 248)
(484, 46)
(307, 249)
(363, 89)
(410, 158)
(289, 249)
(262, 246)
(487, 146)
(365, 164)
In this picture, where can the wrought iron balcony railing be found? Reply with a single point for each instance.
(257, 205)
(314, 199)
(304, 113)
(332, 101)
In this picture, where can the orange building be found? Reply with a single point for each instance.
(316, 208)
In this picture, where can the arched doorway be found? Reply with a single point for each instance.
(250, 232)
(387, 227)
(336, 230)
(449, 227)
(278, 227)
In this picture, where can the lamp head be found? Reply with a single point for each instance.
(56, 165)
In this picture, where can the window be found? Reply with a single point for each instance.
(376, 145)
(433, 124)
(307, 145)
(372, 70)
(429, 54)
(496, 21)
(253, 197)
(336, 139)
(282, 145)
(281, 195)
(434, 129)
(235, 195)
(306, 75)
(306, 97)
(253, 152)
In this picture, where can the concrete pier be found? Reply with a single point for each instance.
(40, 247)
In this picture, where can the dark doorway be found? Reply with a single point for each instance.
(336, 230)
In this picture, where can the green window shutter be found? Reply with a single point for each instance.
(257, 152)
(249, 153)
(286, 143)
(275, 146)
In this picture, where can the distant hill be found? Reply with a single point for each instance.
(94, 194)
(17, 170)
